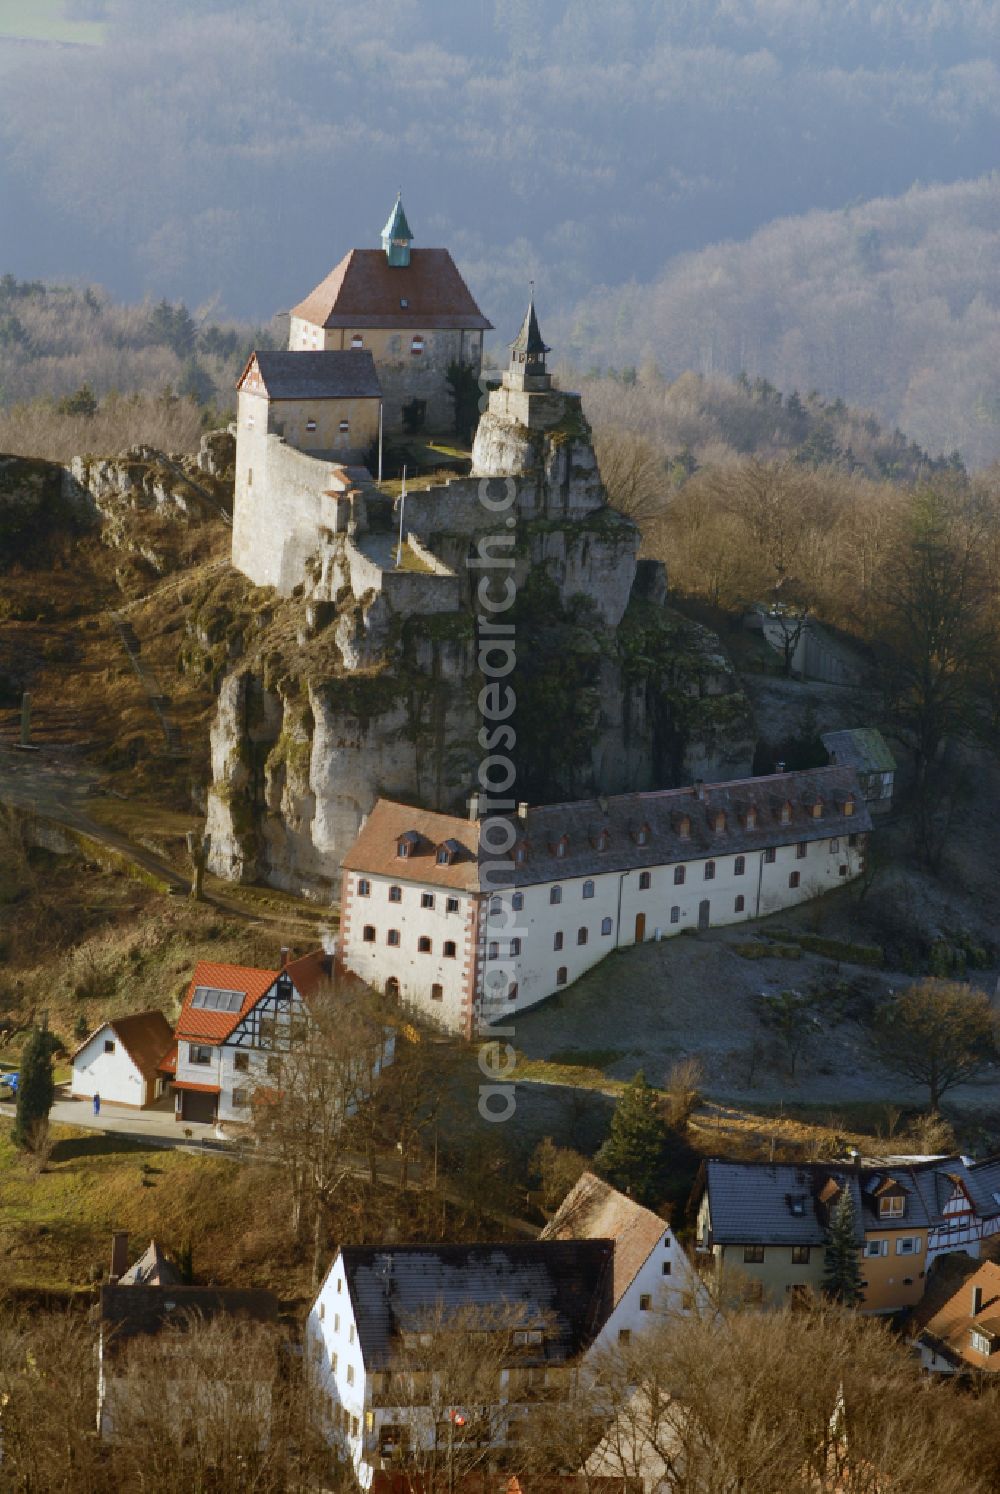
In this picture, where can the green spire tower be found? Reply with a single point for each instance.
(397, 236)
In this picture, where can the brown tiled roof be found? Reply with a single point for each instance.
(950, 1328)
(145, 1036)
(662, 813)
(593, 1210)
(364, 290)
(375, 848)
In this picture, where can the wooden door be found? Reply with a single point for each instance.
(704, 913)
(640, 928)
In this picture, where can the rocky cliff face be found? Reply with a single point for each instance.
(368, 683)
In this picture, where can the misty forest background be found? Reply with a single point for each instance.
(799, 191)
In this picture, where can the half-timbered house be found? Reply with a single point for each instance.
(236, 1024)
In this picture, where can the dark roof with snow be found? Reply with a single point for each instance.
(863, 748)
(560, 1286)
(315, 375)
(125, 1311)
(364, 290)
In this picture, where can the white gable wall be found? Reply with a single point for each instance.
(334, 1360)
(113, 1075)
(677, 1290)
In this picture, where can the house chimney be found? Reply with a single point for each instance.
(522, 810)
(473, 806)
(977, 1301)
(119, 1255)
(284, 956)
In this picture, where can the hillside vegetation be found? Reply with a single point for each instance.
(891, 305)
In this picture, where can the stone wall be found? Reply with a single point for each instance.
(280, 508)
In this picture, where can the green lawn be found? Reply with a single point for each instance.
(44, 20)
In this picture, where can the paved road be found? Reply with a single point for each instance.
(156, 1125)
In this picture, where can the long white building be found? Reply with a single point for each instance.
(433, 917)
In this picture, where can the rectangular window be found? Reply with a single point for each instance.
(517, 901)
(392, 938)
(793, 879)
(241, 1098)
(800, 1255)
(645, 1302)
(368, 933)
(624, 1335)
(739, 866)
(451, 905)
(427, 899)
(199, 1053)
(344, 427)
(666, 1268)
(876, 1247)
(437, 992)
(891, 1207)
(709, 871)
(679, 876)
(364, 887)
(333, 1361)
(908, 1245)
(350, 1374)
(835, 844)
(980, 1342)
(753, 1255)
(557, 940)
(109, 1046)
(675, 914)
(241, 1062)
(769, 855)
(310, 425)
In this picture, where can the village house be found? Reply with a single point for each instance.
(769, 1222)
(123, 1061)
(410, 310)
(236, 1023)
(430, 916)
(604, 1270)
(963, 1336)
(865, 749)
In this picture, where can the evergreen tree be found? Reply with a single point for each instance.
(841, 1271)
(35, 1086)
(634, 1157)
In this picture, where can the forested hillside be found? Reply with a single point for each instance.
(891, 305)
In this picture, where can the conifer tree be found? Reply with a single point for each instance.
(634, 1157)
(841, 1271)
(35, 1086)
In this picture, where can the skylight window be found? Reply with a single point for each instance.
(210, 999)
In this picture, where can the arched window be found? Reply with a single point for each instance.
(645, 881)
(437, 992)
(605, 925)
(581, 936)
(679, 873)
(369, 933)
(364, 887)
(424, 944)
(493, 950)
(496, 905)
(740, 903)
(557, 939)
(555, 894)
(395, 894)
(517, 901)
(449, 949)
(739, 866)
(561, 976)
(588, 889)
(709, 870)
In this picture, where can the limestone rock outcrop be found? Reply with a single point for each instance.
(367, 681)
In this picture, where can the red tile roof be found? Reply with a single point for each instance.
(215, 1027)
(145, 1036)
(950, 1329)
(364, 290)
(375, 848)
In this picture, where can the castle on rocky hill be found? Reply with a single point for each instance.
(369, 686)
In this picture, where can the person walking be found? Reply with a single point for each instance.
(97, 1103)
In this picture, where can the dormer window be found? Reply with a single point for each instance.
(750, 819)
(560, 847)
(684, 827)
(601, 840)
(849, 804)
(520, 854)
(796, 1204)
(447, 852)
(407, 844)
(785, 813)
(892, 1206)
(641, 835)
(981, 1343)
(719, 821)
(816, 809)
(403, 303)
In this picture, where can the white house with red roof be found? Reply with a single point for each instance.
(432, 915)
(124, 1061)
(235, 1024)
